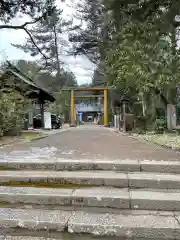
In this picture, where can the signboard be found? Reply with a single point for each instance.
(47, 120)
(89, 107)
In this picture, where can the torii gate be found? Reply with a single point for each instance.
(100, 89)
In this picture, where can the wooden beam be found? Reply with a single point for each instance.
(87, 89)
(90, 96)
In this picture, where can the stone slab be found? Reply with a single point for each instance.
(127, 226)
(177, 219)
(101, 197)
(73, 165)
(155, 200)
(154, 180)
(160, 166)
(87, 164)
(33, 219)
(125, 165)
(76, 177)
(98, 178)
(25, 238)
(32, 164)
(69, 237)
(30, 195)
(96, 197)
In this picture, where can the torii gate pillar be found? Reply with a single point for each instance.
(105, 107)
(73, 112)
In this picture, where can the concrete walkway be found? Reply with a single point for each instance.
(88, 142)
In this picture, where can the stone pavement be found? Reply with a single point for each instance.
(88, 142)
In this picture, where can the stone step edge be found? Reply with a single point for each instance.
(86, 164)
(145, 199)
(138, 224)
(90, 179)
(60, 236)
(8, 237)
(63, 236)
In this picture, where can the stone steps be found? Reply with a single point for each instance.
(62, 237)
(65, 238)
(128, 225)
(25, 238)
(93, 197)
(86, 164)
(100, 197)
(90, 179)
(80, 199)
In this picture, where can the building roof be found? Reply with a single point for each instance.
(36, 90)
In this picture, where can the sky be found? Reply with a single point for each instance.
(80, 66)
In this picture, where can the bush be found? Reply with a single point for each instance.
(12, 112)
(140, 124)
(160, 125)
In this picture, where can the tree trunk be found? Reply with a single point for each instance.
(56, 49)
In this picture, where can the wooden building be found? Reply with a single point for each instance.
(12, 77)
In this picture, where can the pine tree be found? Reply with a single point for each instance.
(87, 40)
(49, 36)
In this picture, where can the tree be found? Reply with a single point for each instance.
(12, 113)
(51, 83)
(10, 9)
(54, 84)
(87, 41)
(99, 76)
(29, 68)
(138, 49)
(44, 78)
(145, 57)
(48, 36)
(12, 105)
(62, 106)
(36, 9)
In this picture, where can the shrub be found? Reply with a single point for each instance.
(12, 111)
(141, 124)
(160, 125)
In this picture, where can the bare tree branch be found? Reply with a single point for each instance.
(32, 40)
(23, 27)
(16, 27)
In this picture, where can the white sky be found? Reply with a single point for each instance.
(81, 66)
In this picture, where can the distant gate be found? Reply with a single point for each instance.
(103, 90)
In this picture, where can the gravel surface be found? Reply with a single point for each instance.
(88, 142)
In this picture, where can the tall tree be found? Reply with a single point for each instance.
(48, 36)
(138, 47)
(44, 78)
(36, 10)
(87, 40)
(29, 68)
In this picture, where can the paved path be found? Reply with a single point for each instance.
(87, 142)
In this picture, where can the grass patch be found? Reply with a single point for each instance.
(24, 135)
(30, 135)
(170, 140)
(47, 185)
